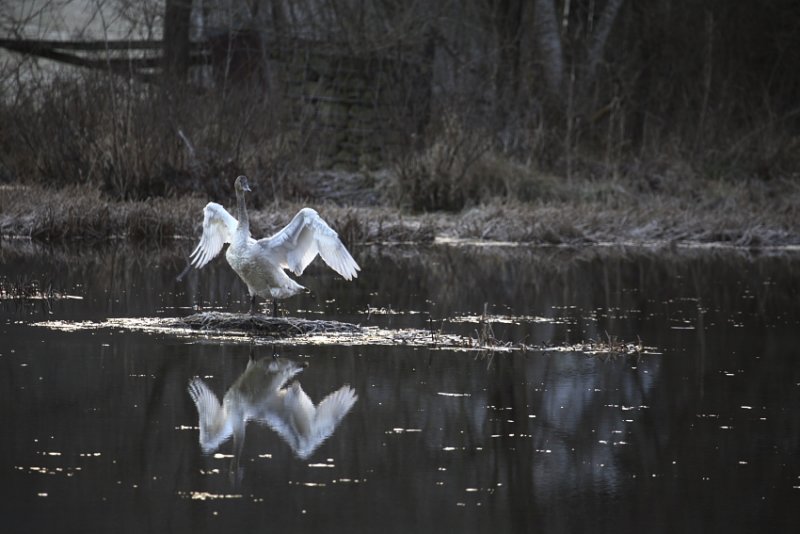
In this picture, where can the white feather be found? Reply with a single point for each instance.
(215, 426)
(218, 229)
(305, 426)
(296, 245)
(260, 264)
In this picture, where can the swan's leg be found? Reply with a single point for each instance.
(253, 307)
(238, 446)
(274, 307)
(184, 272)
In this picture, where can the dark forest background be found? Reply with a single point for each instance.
(486, 99)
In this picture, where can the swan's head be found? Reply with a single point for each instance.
(241, 184)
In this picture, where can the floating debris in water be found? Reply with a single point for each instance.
(218, 326)
(32, 290)
(610, 347)
(508, 319)
(206, 496)
(371, 310)
(403, 430)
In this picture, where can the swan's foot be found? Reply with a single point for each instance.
(274, 307)
(253, 307)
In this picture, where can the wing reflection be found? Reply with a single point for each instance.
(260, 394)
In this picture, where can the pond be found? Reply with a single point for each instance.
(698, 432)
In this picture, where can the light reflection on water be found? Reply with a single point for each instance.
(702, 437)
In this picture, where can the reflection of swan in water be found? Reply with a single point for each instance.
(260, 264)
(259, 395)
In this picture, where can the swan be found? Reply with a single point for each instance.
(260, 395)
(261, 263)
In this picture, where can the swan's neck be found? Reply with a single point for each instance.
(241, 213)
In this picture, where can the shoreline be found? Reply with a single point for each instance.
(82, 215)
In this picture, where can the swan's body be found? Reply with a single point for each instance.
(261, 263)
(258, 395)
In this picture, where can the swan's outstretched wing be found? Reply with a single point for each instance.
(307, 235)
(330, 412)
(214, 429)
(292, 417)
(218, 229)
(305, 427)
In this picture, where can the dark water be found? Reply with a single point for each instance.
(100, 434)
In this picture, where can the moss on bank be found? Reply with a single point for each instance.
(742, 214)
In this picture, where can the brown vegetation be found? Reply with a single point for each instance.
(544, 121)
(748, 214)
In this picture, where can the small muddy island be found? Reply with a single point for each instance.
(261, 325)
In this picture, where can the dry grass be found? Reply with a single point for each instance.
(81, 212)
(740, 213)
(750, 213)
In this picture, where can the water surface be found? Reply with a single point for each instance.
(100, 432)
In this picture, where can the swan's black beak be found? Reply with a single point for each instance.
(246, 188)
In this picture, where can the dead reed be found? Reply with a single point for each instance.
(748, 215)
(262, 325)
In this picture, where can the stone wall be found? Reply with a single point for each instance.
(358, 111)
(354, 110)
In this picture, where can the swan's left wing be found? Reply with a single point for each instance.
(218, 229)
(214, 428)
(307, 235)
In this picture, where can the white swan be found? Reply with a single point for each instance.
(258, 395)
(261, 263)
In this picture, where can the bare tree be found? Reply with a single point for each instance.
(548, 39)
(177, 22)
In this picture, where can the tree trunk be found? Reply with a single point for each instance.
(508, 26)
(599, 40)
(177, 19)
(550, 50)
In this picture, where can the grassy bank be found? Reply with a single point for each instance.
(743, 213)
(83, 214)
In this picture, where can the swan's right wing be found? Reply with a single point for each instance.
(212, 422)
(218, 229)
